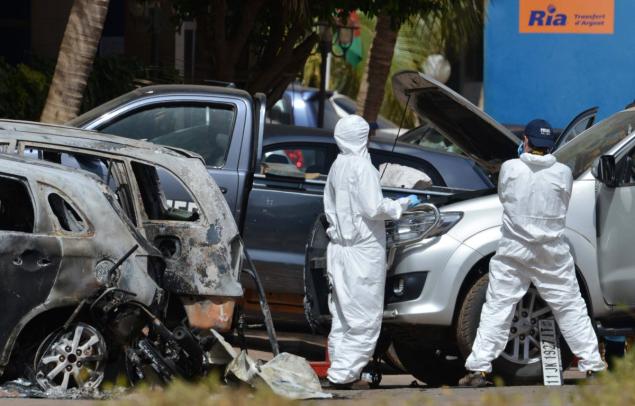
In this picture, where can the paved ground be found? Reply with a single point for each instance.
(521, 395)
(398, 395)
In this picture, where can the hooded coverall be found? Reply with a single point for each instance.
(356, 254)
(535, 192)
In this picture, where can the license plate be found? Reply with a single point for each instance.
(550, 353)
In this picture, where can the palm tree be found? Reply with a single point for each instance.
(371, 89)
(75, 60)
(446, 22)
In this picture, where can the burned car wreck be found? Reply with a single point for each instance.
(168, 195)
(74, 272)
(169, 201)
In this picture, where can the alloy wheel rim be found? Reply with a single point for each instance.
(73, 358)
(523, 343)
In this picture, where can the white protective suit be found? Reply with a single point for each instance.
(535, 192)
(356, 254)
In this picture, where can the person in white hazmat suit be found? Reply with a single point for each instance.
(356, 254)
(534, 190)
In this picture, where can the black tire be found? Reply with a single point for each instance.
(527, 372)
(432, 366)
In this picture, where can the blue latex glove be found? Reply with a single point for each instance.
(413, 200)
(521, 148)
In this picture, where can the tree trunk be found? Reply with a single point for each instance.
(373, 83)
(75, 60)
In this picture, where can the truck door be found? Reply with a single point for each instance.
(285, 200)
(615, 227)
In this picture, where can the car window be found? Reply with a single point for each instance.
(307, 161)
(579, 153)
(330, 115)
(67, 217)
(378, 158)
(577, 129)
(349, 106)
(110, 171)
(281, 112)
(164, 196)
(428, 136)
(16, 207)
(201, 128)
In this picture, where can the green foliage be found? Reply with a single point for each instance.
(23, 91)
(24, 88)
(205, 392)
(615, 388)
(426, 27)
(113, 76)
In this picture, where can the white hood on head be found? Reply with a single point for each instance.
(538, 160)
(351, 135)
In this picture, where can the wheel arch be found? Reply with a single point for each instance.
(482, 267)
(34, 326)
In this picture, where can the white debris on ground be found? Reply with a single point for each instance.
(394, 175)
(22, 388)
(286, 374)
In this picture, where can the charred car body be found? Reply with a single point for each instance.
(192, 228)
(68, 254)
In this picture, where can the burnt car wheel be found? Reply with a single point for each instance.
(71, 358)
(519, 363)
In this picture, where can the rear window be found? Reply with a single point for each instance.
(16, 208)
(202, 128)
(67, 217)
(164, 196)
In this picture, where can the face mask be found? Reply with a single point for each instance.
(521, 148)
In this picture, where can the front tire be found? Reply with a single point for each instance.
(520, 362)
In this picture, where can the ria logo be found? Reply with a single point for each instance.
(547, 18)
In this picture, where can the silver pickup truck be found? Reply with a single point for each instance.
(436, 285)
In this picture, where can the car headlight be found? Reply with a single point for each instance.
(448, 220)
(414, 226)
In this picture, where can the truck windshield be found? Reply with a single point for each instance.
(580, 153)
(91, 115)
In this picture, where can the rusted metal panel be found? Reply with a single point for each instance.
(209, 312)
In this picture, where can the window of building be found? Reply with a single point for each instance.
(204, 129)
(16, 207)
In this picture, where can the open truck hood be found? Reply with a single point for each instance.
(477, 134)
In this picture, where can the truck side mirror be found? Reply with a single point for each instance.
(605, 171)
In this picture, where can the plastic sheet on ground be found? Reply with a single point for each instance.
(286, 374)
(394, 175)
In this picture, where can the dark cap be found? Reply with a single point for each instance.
(540, 134)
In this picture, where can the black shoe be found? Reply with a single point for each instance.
(592, 376)
(327, 384)
(475, 379)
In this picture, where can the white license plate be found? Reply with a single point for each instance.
(550, 353)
